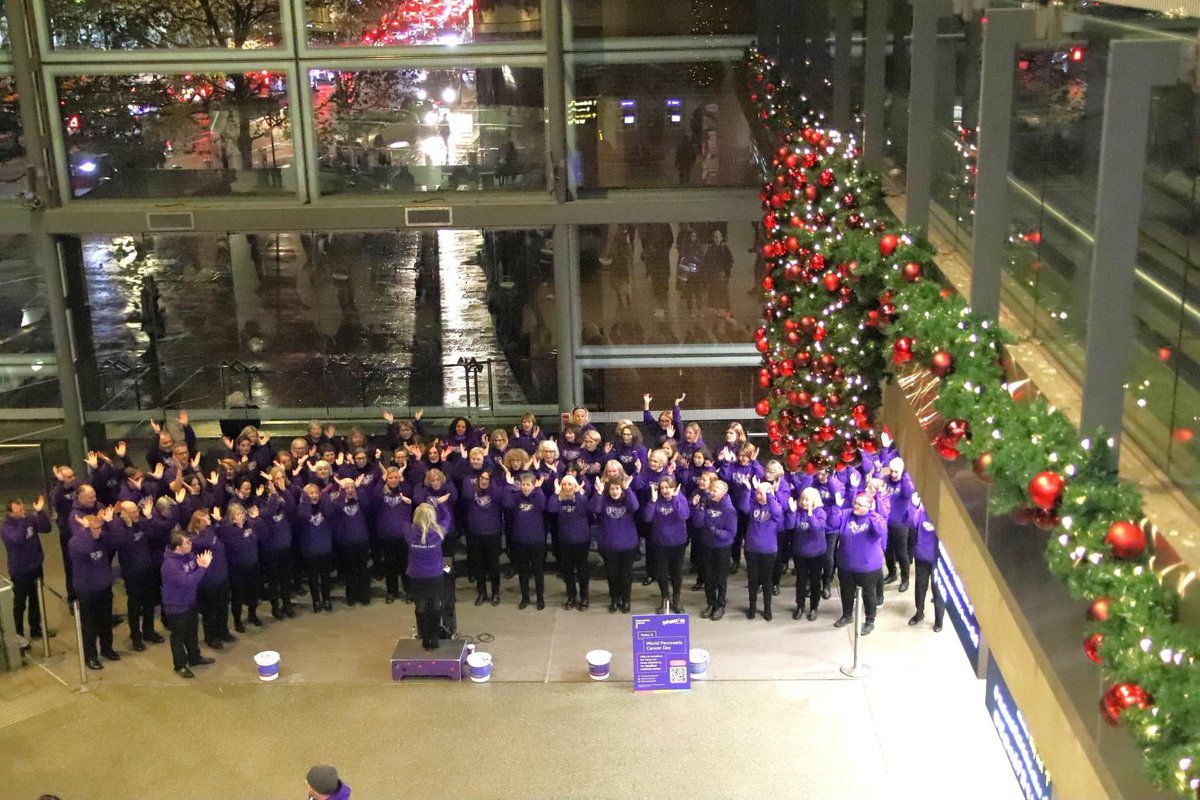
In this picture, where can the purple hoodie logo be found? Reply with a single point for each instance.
(615, 512)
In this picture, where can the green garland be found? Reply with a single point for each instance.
(885, 302)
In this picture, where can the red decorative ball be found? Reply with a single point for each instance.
(958, 428)
(911, 272)
(1045, 490)
(902, 350)
(833, 399)
(810, 193)
(763, 407)
(804, 399)
(849, 200)
(983, 463)
(832, 281)
(819, 410)
(826, 177)
(1098, 610)
(1121, 696)
(791, 244)
(762, 345)
(1091, 647)
(776, 448)
(793, 338)
(807, 324)
(1127, 540)
(888, 244)
(947, 447)
(826, 362)
(793, 461)
(941, 364)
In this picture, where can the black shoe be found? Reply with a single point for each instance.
(842, 622)
(826, 592)
(94, 663)
(316, 608)
(750, 613)
(238, 626)
(480, 599)
(646, 581)
(496, 599)
(798, 612)
(718, 612)
(408, 601)
(583, 604)
(327, 605)
(612, 608)
(916, 618)
(937, 627)
(184, 672)
(867, 628)
(154, 637)
(707, 612)
(524, 604)
(202, 661)
(111, 655)
(255, 621)
(570, 604)
(227, 637)
(879, 600)
(277, 613)
(697, 586)
(903, 587)
(117, 619)
(137, 646)
(734, 569)
(541, 603)
(508, 573)
(432, 644)
(391, 598)
(214, 645)
(767, 613)
(676, 605)
(812, 615)
(890, 578)
(775, 590)
(290, 611)
(624, 608)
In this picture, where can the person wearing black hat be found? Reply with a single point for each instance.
(323, 784)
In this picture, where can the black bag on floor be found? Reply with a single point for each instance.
(449, 624)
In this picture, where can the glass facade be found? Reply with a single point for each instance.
(160, 24)
(385, 23)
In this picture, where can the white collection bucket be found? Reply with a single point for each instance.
(479, 665)
(268, 665)
(598, 662)
(697, 662)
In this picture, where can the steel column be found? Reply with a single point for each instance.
(843, 33)
(566, 312)
(922, 94)
(874, 83)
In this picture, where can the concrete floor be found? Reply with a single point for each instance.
(775, 717)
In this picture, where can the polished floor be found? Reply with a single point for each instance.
(774, 717)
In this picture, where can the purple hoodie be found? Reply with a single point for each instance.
(394, 515)
(424, 559)
(132, 546)
(574, 527)
(485, 509)
(719, 521)
(25, 555)
(349, 520)
(627, 455)
(528, 515)
(618, 528)
(762, 534)
(859, 545)
(668, 520)
(810, 541)
(218, 571)
(655, 433)
(278, 511)
(316, 527)
(444, 510)
(900, 492)
(91, 570)
(241, 544)
(927, 538)
(181, 577)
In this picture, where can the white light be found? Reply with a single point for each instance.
(449, 95)
(1066, 522)
(431, 118)
(1064, 540)
(1095, 558)
(1185, 763)
(1145, 644)
(1166, 655)
(88, 166)
(422, 94)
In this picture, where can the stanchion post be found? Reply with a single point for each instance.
(79, 643)
(856, 669)
(41, 590)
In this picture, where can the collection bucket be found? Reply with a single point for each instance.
(268, 665)
(480, 666)
(697, 662)
(598, 662)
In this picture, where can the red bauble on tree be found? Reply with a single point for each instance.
(832, 281)
(1121, 696)
(763, 407)
(911, 272)
(983, 463)
(1091, 647)
(941, 364)
(1098, 610)
(1127, 540)
(947, 447)
(902, 350)
(958, 429)
(1045, 490)
(888, 244)
(793, 461)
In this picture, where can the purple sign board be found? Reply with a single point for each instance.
(661, 644)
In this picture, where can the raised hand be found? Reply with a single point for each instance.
(154, 426)
(180, 494)
(147, 507)
(608, 447)
(92, 459)
(557, 486)
(216, 514)
(183, 418)
(330, 430)
(420, 413)
(646, 398)
(792, 504)
(448, 450)
(516, 431)
(196, 462)
(628, 480)
(341, 458)
(536, 432)
(227, 442)
(654, 493)
(157, 473)
(212, 477)
(120, 449)
(388, 417)
(462, 449)
(204, 559)
(378, 455)
(670, 431)
(679, 400)
(39, 504)
(253, 512)
(259, 491)
(599, 484)
(107, 514)
(263, 437)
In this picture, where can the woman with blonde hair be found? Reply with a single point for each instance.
(425, 572)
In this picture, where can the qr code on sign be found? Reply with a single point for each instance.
(678, 675)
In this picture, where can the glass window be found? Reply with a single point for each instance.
(693, 283)
(376, 23)
(24, 314)
(315, 319)
(650, 125)
(415, 130)
(29, 382)
(177, 135)
(154, 24)
(13, 162)
(621, 389)
(606, 19)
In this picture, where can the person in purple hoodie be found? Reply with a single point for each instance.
(485, 522)
(426, 567)
(127, 532)
(765, 518)
(569, 503)
(628, 449)
(669, 424)
(181, 575)
(830, 489)
(715, 510)
(926, 556)
(809, 544)
(527, 504)
(239, 532)
(323, 783)
(352, 540)
(615, 506)
(693, 440)
(275, 543)
(740, 473)
(62, 498)
(898, 485)
(860, 560)
(25, 559)
(213, 595)
(668, 513)
(90, 553)
(394, 518)
(527, 435)
(315, 511)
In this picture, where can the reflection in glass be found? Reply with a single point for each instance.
(153, 24)
(29, 383)
(24, 315)
(13, 163)
(707, 387)
(606, 19)
(414, 130)
(692, 283)
(384, 23)
(177, 135)
(641, 125)
(293, 319)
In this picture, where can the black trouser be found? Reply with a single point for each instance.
(784, 539)
(530, 560)
(668, 565)
(395, 565)
(213, 602)
(924, 579)
(95, 617)
(831, 543)
(25, 591)
(618, 566)
(243, 591)
(739, 538)
(483, 555)
(185, 645)
(808, 580)
(299, 567)
(320, 581)
(759, 567)
(573, 567)
(277, 569)
(141, 597)
(868, 582)
(428, 595)
(352, 566)
(714, 565)
(694, 542)
(897, 550)
(64, 539)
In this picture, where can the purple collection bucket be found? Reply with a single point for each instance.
(268, 665)
(598, 662)
(479, 665)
